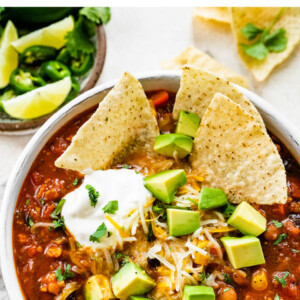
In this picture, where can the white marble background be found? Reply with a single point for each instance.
(139, 38)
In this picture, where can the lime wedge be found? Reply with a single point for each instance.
(38, 102)
(52, 35)
(8, 55)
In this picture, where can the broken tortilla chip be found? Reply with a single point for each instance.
(218, 14)
(261, 17)
(235, 153)
(197, 89)
(194, 57)
(122, 123)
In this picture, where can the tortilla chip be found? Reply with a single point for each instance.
(218, 14)
(262, 17)
(195, 57)
(197, 89)
(122, 123)
(233, 152)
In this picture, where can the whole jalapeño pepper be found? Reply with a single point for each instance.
(82, 64)
(36, 54)
(54, 70)
(23, 81)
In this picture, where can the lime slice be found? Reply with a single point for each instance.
(53, 36)
(8, 55)
(38, 102)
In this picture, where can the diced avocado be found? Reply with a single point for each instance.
(167, 144)
(97, 287)
(243, 252)
(211, 198)
(131, 280)
(164, 185)
(182, 222)
(199, 292)
(138, 298)
(187, 124)
(247, 220)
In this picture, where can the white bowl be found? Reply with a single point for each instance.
(168, 80)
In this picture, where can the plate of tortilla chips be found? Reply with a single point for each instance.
(170, 185)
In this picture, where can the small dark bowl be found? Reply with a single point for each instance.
(10, 126)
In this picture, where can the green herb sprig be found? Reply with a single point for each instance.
(68, 273)
(282, 280)
(99, 233)
(264, 40)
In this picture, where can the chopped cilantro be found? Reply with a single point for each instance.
(99, 233)
(96, 14)
(276, 297)
(265, 41)
(228, 210)
(111, 207)
(226, 290)
(125, 167)
(280, 238)
(202, 276)
(68, 273)
(282, 280)
(295, 250)
(277, 223)
(30, 222)
(118, 255)
(57, 211)
(27, 202)
(60, 222)
(93, 194)
(42, 201)
(157, 209)
(78, 244)
(75, 182)
(150, 235)
(126, 259)
(227, 278)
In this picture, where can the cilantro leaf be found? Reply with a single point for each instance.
(277, 223)
(57, 211)
(77, 41)
(96, 14)
(276, 297)
(60, 222)
(250, 31)
(228, 211)
(118, 255)
(30, 222)
(27, 202)
(228, 279)
(75, 182)
(282, 280)
(93, 194)
(150, 235)
(257, 50)
(280, 238)
(99, 233)
(202, 276)
(276, 41)
(68, 273)
(111, 207)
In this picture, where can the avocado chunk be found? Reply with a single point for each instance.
(210, 198)
(164, 185)
(247, 220)
(168, 144)
(199, 292)
(243, 252)
(188, 124)
(97, 287)
(182, 222)
(131, 280)
(138, 298)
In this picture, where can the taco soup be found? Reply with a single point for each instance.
(161, 196)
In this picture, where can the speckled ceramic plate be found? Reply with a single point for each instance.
(9, 126)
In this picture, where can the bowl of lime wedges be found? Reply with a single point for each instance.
(48, 56)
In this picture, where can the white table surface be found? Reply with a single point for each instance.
(139, 38)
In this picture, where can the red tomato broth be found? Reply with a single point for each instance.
(45, 185)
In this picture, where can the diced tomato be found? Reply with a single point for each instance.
(160, 98)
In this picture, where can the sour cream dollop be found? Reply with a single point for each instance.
(123, 185)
